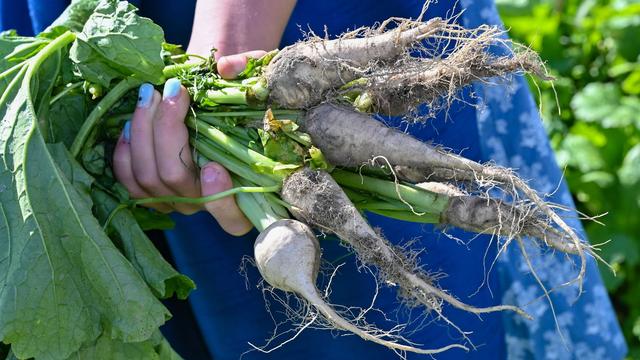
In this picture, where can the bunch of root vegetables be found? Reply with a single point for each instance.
(317, 157)
(299, 130)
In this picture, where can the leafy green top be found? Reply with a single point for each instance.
(68, 286)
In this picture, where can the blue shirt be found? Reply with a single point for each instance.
(501, 123)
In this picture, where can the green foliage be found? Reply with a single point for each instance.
(69, 287)
(115, 42)
(592, 48)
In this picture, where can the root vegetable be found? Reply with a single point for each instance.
(372, 69)
(375, 68)
(301, 74)
(287, 254)
(318, 200)
(351, 139)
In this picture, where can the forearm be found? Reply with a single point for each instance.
(234, 26)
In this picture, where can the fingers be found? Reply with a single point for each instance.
(143, 158)
(152, 158)
(146, 163)
(214, 179)
(123, 169)
(174, 163)
(230, 66)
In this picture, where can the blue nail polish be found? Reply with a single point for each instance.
(171, 88)
(145, 95)
(126, 132)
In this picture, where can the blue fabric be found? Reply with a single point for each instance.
(229, 312)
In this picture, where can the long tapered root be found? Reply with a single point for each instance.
(318, 200)
(341, 323)
(301, 74)
(287, 254)
(390, 76)
(351, 139)
(437, 79)
(437, 83)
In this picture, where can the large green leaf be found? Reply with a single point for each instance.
(115, 42)
(76, 14)
(63, 282)
(137, 247)
(66, 116)
(104, 348)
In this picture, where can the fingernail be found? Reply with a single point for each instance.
(126, 132)
(209, 174)
(171, 89)
(145, 95)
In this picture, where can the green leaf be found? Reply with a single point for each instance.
(631, 84)
(104, 348)
(25, 50)
(591, 132)
(76, 14)
(596, 101)
(629, 172)
(9, 68)
(604, 103)
(137, 247)
(148, 220)
(94, 160)
(621, 252)
(63, 282)
(78, 177)
(44, 80)
(602, 178)
(115, 42)
(66, 116)
(579, 152)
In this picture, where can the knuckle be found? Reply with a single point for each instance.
(147, 179)
(172, 176)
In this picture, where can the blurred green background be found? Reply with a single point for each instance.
(593, 49)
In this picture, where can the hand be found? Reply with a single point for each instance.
(153, 158)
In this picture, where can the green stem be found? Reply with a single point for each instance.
(14, 82)
(230, 96)
(408, 216)
(258, 114)
(257, 207)
(180, 56)
(112, 215)
(422, 199)
(65, 91)
(240, 133)
(259, 162)
(118, 91)
(12, 69)
(170, 71)
(213, 152)
(226, 83)
(116, 120)
(52, 47)
(205, 199)
(276, 200)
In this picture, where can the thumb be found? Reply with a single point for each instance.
(231, 65)
(213, 179)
